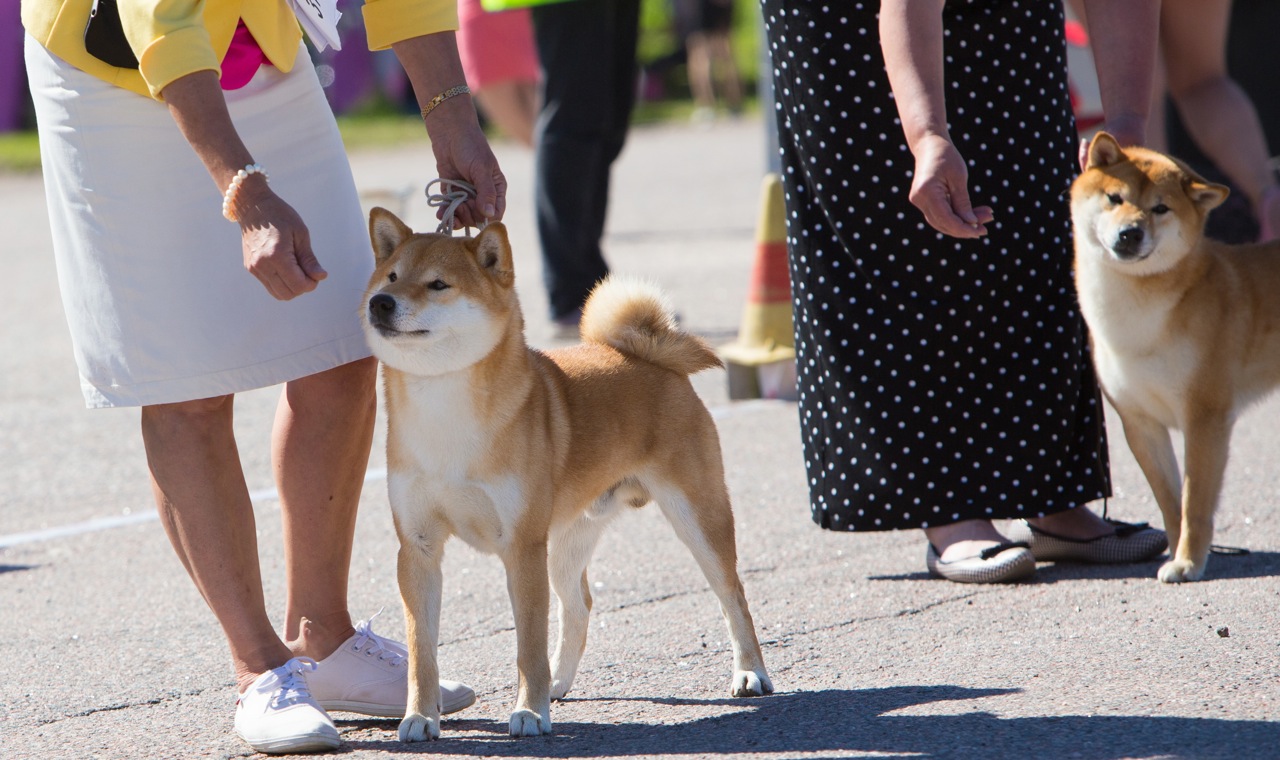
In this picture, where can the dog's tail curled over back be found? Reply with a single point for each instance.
(635, 317)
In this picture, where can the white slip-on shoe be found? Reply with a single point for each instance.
(278, 715)
(369, 675)
(1009, 561)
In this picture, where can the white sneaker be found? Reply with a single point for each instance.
(370, 675)
(277, 713)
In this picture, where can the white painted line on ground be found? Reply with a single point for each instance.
(270, 494)
(135, 518)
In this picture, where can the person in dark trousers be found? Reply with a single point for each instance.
(587, 49)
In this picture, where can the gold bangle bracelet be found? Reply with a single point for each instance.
(461, 89)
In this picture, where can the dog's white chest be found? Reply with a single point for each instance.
(436, 452)
(1140, 362)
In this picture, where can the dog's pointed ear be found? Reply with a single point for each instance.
(387, 232)
(493, 252)
(1206, 195)
(1104, 151)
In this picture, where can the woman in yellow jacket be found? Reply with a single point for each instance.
(201, 132)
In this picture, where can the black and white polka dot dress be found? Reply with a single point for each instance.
(940, 379)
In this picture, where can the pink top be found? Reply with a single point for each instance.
(242, 59)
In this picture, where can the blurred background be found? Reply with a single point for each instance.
(376, 107)
(372, 98)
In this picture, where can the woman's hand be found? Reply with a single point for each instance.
(459, 145)
(276, 243)
(940, 189)
(1128, 131)
(462, 152)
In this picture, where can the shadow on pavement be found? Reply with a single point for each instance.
(1222, 567)
(839, 721)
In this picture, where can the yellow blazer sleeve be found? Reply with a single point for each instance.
(169, 38)
(390, 21)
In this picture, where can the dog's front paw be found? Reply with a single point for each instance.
(529, 723)
(1180, 571)
(559, 688)
(419, 728)
(747, 683)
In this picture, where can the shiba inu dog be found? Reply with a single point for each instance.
(529, 455)
(1185, 330)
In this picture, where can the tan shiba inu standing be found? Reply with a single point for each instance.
(529, 455)
(1185, 330)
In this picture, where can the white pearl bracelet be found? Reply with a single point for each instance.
(229, 197)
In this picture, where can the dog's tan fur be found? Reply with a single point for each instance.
(528, 455)
(1185, 330)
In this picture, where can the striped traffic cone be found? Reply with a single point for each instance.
(761, 362)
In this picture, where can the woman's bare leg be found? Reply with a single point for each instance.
(320, 449)
(204, 505)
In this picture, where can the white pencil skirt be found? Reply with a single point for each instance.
(160, 306)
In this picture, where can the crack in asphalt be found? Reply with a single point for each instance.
(171, 697)
(784, 639)
(616, 608)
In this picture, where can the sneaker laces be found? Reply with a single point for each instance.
(376, 646)
(291, 682)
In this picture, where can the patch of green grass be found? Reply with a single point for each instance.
(19, 152)
(379, 125)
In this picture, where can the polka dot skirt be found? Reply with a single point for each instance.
(940, 379)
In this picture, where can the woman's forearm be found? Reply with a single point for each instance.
(1123, 37)
(197, 105)
(911, 40)
(432, 64)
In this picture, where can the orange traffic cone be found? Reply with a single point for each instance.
(761, 362)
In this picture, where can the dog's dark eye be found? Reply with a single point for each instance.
(1160, 209)
(1115, 199)
(392, 277)
(438, 285)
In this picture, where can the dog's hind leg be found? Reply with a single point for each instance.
(569, 554)
(703, 519)
(1149, 441)
(1208, 440)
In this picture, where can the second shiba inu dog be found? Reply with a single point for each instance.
(529, 455)
(1185, 330)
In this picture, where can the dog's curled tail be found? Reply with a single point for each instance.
(635, 317)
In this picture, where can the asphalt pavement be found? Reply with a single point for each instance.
(107, 650)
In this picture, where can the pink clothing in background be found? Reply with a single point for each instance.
(242, 59)
(495, 47)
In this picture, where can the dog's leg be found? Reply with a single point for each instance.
(1149, 441)
(570, 553)
(1208, 440)
(420, 590)
(705, 525)
(527, 584)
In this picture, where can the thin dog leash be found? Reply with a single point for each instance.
(452, 193)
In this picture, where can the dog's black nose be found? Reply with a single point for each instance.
(1128, 242)
(381, 307)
